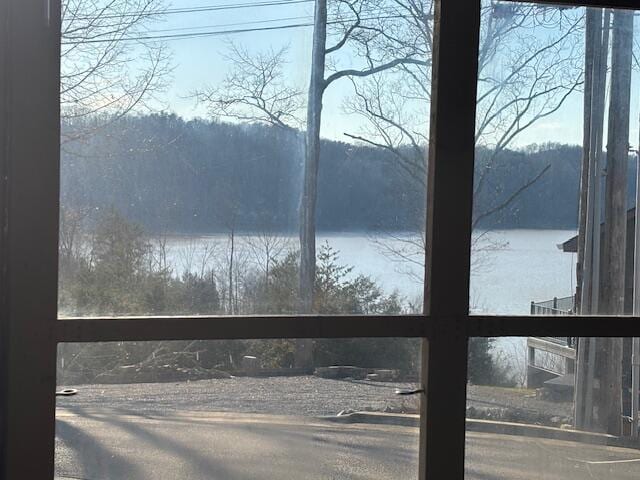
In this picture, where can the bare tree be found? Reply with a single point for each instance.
(387, 44)
(107, 69)
(528, 66)
(266, 246)
(197, 256)
(374, 33)
(536, 74)
(407, 251)
(254, 90)
(72, 228)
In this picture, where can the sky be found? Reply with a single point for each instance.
(200, 62)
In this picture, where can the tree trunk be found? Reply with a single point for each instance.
(310, 185)
(612, 292)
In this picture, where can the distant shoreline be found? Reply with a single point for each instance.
(344, 233)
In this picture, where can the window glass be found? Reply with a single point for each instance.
(552, 407)
(555, 169)
(187, 129)
(237, 410)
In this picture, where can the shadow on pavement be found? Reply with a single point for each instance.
(96, 460)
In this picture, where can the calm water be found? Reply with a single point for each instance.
(530, 267)
(510, 268)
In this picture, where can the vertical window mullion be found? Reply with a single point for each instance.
(450, 192)
(30, 161)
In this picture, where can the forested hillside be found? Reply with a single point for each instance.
(177, 176)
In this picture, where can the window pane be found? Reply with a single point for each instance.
(186, 134)
(557, 136)
(552, 407)
(237, 410)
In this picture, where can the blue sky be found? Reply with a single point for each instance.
(200, 61)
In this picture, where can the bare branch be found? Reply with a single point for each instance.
(255, 90)
(372, 71)
(347, 34)
(99, 79)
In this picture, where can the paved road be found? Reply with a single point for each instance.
(97, 444)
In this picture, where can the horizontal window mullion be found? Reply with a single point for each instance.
(98, 329)
(562, 325)
(247, 327)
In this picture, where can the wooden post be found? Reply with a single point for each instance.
(596, 51)
(591, 24)
(531, 361)
(599, 35)
(589, 383)
(614, 252)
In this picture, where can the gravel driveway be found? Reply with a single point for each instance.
(303, 395)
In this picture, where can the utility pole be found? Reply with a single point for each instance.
(596, 53)
(593, 16)
(591, 270)
(614, 251)
(590, 40)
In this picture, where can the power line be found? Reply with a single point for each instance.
(204, 8)
(271, 20)
(184, 36)
(181, 36)
(235, 24)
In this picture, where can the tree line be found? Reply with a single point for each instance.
(175, 176)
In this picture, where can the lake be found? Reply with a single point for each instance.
(510, 268)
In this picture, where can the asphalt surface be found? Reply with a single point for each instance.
(271, 428)
(111, 444)
(508, 457)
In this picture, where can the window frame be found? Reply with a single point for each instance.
(29, 209)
